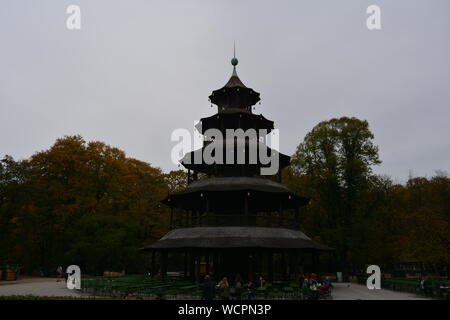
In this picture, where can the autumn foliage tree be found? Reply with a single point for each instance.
(80, 203)
(365, 217)
(421, 220)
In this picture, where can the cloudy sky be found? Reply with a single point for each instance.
(139, 69)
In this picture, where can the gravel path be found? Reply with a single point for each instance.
(43, 287)
(352, 291)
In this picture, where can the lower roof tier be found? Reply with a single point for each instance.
(236, 194)
(236, 237)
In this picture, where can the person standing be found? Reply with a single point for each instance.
(208, 289)
(313, 289)
(224, 289)
(261, 282)
(238, 287)
(59, 270)
(427, 286)
(250, 290)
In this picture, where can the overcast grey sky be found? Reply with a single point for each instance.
(137, 70)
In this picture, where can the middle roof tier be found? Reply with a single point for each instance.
(239, 157)
(235, 119)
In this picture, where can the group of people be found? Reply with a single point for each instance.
(312, 288)
(230, 292)
(440, 287)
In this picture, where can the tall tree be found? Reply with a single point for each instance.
(335, 162)
(422, 216)
(70, 186)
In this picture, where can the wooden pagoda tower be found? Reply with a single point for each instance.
(231, 220)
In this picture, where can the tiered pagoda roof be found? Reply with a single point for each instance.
(222, 209)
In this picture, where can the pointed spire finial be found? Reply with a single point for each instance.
(234, 61)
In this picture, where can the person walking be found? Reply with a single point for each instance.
(208, 292)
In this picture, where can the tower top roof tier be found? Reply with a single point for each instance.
(234, 95)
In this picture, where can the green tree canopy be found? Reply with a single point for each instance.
(334, 165)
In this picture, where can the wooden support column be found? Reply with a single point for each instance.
(185, 265)
(250, 266)
(246, 207)
(256, 264)
(289, 269)
(283, 264)
(164, 259)
(296, 264)
(280, 214)
(171, 217)
(197, 267)
(300, 263)
(207, 205)
(200, 218)
(216, 264)
(207, 262)
(192, 266)
(207, 212)
(293, 264)
(195, 219)
(270, 265)
(259, 262)
(153, 271)
(315, 262)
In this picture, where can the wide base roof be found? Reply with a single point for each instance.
(236, 237)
